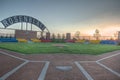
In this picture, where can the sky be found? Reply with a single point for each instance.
(67, 16)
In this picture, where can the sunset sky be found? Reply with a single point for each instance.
(64, 16)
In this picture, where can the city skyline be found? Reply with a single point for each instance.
(68, 16)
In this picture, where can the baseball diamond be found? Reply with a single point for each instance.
(16, 66)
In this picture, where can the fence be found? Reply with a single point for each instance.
(80, 37)
(99, 38)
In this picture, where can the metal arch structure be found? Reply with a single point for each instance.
(23, 18)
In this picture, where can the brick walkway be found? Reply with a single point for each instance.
(15, 66)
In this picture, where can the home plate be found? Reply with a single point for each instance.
(64, 68)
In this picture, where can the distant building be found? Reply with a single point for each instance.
(47, 35)
(119, 35)
(68, 36)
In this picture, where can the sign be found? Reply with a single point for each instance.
(22, 18)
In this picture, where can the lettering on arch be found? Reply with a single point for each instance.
(22, 18)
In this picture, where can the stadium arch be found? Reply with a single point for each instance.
(24, 19)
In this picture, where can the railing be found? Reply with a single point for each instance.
(80, 37)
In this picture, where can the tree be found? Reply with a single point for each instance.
(63, 36)
(58, 36)
(53, 36)
(97, 34)
(77, 34)
(116, 35)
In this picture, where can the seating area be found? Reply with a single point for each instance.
(108, 42)
(45, 40)
(8, 40)
(89, 41)
(35, 40)
(113, 42)
(79, 41)
(70, 41)
(95, 41)
(21, 40)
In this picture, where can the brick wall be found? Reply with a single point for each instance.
(25, 34)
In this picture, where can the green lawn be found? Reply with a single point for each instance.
(70, 48)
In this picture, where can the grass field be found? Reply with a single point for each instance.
(49, 48)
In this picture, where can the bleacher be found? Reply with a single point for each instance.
(35, 40)
(108, 42)
(8, 40)
(113, 42)
(95, 41)
(79, 41)
(21, 40)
